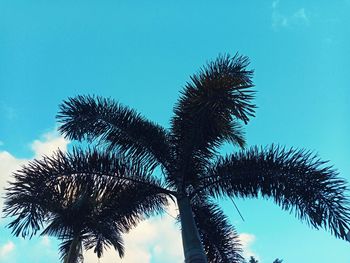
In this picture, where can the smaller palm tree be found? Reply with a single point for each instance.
(89, 213)
(254, 260)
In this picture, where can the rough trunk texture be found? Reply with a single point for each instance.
(192, 245)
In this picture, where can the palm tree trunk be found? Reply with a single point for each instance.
(74, 250)
(192, 245)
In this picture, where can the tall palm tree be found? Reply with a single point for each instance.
(211, 111)
(89, 212)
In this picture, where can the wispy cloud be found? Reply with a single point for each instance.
(8, 112)
(247, 240)
(6, 249)
(282, 20)
(45, 241)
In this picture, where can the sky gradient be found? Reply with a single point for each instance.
(142, 54)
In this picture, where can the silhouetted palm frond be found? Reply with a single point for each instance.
(210, 108)
(105, 234)
(64, 248)
(87, 194)
(220, 240)
(297, 180)
(115, 126)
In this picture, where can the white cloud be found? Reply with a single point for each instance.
(8, 164)
(45, 241)
(6, 249)
(157, 238)
(300, 17)
(8, 112)
(247, 241)
(49, 143)
(280, 20)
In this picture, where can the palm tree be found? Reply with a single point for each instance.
(277, 260)
(211, 111)
(90, 212)
(254, 260)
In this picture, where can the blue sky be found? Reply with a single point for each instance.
(142, 54)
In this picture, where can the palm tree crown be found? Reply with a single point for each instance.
(90, 211)
(213, 108)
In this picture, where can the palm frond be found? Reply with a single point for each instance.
(114, 126)
(64, 248)
(59, 227)
(89, 163)
(25, 202)
(55, 184)
(103, 237)
(28, 222)
(297, 180)
(210, 108)
(219, 238)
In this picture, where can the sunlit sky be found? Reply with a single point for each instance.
(142, 53)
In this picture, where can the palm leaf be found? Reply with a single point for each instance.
(115, 126)
(64, 248)
(219, 238)
(103, 237)
(209, 110)
(297, 180)
(76, 192)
